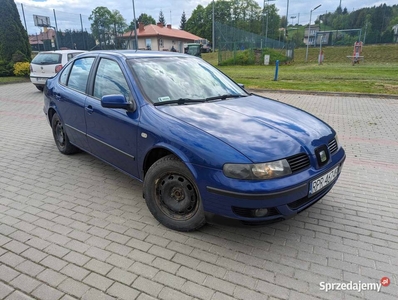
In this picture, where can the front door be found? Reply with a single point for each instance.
(112, 133)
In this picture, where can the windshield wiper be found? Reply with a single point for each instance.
(190, 100)
(179, 101)
(223, 97)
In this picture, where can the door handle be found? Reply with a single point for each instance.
(89, 109)
(58, 97)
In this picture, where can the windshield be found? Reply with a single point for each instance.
(164, 79)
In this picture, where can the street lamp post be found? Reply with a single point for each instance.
(309, 29)
(135, 27)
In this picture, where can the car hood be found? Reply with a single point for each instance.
(261, 129)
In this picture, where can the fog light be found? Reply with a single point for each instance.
(260, 212)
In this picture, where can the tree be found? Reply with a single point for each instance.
(241, 14)
(161, 18)
(146, 19)
(183, 21)
(273, 21)
(118, 27)
(196, 23)
(106, 26)
(101, 26)
(14, 41)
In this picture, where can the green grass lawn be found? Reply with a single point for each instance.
(362, 78)
(377, 74)
(13, 79)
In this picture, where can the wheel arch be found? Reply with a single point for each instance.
(160, 151)
(51, 113)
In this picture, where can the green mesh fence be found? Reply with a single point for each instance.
(230, 41)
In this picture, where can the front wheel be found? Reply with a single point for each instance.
(172, 195)
(60, 137)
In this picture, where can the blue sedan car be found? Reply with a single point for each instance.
(201, 145)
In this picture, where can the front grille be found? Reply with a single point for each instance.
(332, 145)
(298, 203)
(248, 212)
(298, 162)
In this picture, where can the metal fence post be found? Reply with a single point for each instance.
(276, 70)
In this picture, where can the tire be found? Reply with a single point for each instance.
(60, 137)
(40, 88)
(172, 195)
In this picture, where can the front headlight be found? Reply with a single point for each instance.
(261, 171)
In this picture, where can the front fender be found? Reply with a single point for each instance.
(172, 149)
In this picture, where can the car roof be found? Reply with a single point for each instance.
(138, 54)
(63, 51)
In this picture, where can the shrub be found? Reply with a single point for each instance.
(252, 57)
(21, 69)
(5, 69)
(245, 57)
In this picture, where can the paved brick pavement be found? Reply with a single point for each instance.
(73, 227)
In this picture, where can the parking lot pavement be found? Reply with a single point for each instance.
(73, 227)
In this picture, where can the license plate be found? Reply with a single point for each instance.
(41, 79)
(323, 181)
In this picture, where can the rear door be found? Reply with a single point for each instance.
(112, 133)
(70, 96)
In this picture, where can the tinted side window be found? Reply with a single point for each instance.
(63, 79)
(79, 73)
(110, 80)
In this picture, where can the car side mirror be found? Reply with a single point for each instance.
(241, 85)
(117, 101)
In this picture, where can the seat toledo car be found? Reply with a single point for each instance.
(48, 63)
(201, 145)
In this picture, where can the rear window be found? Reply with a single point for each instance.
(47, 59)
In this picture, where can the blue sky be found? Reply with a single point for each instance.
(68, 11)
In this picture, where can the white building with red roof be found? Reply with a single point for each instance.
(159, 37)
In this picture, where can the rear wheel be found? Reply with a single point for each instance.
(60, 137)
(172, 195)
(40, 88)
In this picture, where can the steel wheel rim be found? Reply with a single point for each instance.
(59, 134)
(176, 196)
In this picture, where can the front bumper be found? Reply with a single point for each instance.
(227, 205)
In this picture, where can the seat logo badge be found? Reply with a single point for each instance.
(144, 135)
(323, 156)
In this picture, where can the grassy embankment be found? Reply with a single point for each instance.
(377, 74)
